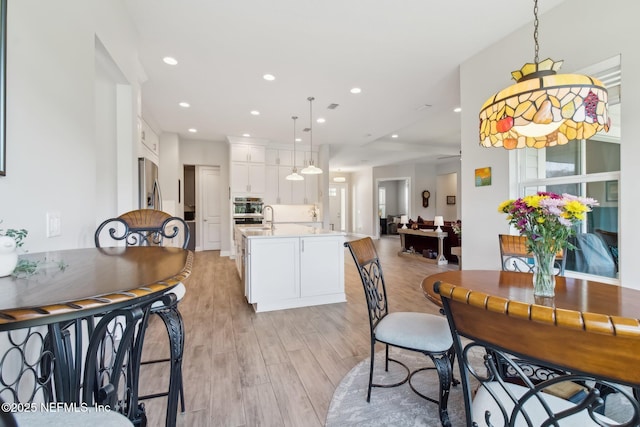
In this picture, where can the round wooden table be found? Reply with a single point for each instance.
(75, 329)
(81, 282)
(571, 294)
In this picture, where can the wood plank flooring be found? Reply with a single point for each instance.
(278, 368)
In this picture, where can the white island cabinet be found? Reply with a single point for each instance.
(293, 266)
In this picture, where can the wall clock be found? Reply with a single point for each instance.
(425, 198)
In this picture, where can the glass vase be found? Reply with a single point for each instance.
(544, 279)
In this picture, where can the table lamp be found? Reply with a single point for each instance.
(438, 221)
(404, 219)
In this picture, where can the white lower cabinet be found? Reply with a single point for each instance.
(288, 272)
(315, 277)
(274, 269)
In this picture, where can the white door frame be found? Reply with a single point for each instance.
(201, 243)
(343, 203)
(407, 180)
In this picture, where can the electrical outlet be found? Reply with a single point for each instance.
(53, 224)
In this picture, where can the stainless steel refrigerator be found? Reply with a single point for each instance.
(148, 187)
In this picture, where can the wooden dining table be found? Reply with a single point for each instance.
(84, 311)
(570, 293)
(79, 282)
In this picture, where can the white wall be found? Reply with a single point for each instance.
(170, 170)
(51, 104)
(453, 167)
(392, 189)
(362, 201)
(605, 35)
(446, 186)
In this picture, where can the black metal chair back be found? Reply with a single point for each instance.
(584, 359)
(142, 227)
(368, 264)
(420, 332)
(515, 256)
(150, 227)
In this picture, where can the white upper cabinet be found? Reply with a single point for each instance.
(247, 169)
(149, 143)
(248, 153)
(279, 157)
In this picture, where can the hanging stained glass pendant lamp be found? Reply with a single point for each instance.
(544, 108)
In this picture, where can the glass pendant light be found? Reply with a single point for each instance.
(544, 108)
(311, 169)
(294, 176)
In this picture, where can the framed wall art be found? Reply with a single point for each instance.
(483, 177)
(3, 86)
(451, 200)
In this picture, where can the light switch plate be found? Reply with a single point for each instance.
(53, 224)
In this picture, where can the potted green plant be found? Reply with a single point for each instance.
(10, 239)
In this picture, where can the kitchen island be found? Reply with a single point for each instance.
(290, 266)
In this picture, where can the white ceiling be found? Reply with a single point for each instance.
(403, 54)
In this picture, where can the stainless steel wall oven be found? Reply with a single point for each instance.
(247, 210)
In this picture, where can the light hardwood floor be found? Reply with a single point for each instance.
(278, 368)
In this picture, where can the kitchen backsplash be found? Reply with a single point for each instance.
(296, 213)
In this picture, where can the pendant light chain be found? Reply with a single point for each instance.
(294, 139)
(311, 99)
(535, 30)
(293, 176)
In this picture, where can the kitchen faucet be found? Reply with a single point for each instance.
(264, 216)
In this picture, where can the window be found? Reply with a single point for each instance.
(588, 168)
(382, 200)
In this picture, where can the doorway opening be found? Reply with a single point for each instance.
(338, 206)
(393, 202)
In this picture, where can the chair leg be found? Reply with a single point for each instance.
(386, 358)
(175, 328)
(443, 367)
(452, 360)
(373, 354)
(182, 407)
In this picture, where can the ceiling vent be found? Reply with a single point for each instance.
(306, 129)
(332, 106)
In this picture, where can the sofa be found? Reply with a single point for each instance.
(426, 246)
(391, 225)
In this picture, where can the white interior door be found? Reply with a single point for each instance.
(338, 206)
(209, 188)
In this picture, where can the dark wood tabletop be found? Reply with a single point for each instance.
(571, 294)
(91, 280)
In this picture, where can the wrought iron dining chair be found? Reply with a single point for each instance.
(601, 358)
(150, 227)
(515, 256)
(421, 332)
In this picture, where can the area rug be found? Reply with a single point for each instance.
(400, 406)
(397, 406)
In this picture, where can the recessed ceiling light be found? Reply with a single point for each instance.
(457, 110)
(170, 61)
(320, 120)
(184, 104)
(298, 139)
(246, 135)
(269, 77)
(355, 90)
(339, 179)
(255, 113)
(193, 130)
(395, 135)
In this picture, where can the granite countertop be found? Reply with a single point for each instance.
(285, 230)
